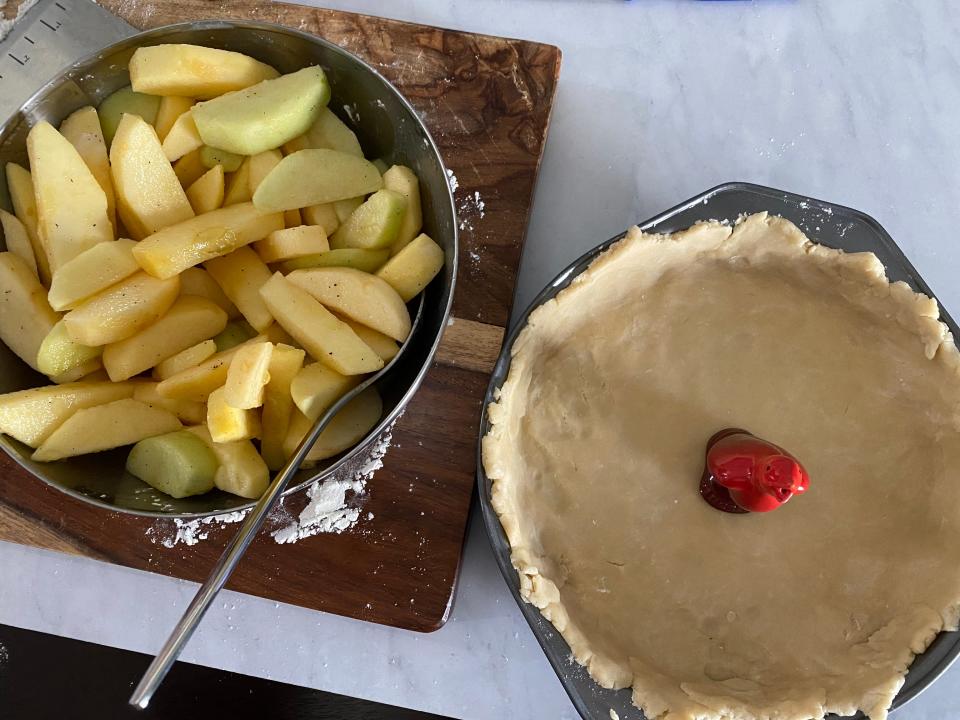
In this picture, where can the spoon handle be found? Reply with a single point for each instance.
(218, 577)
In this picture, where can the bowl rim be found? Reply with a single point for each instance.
(387, 420)
(945, 653)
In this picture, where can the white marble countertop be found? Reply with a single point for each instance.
(850, 101)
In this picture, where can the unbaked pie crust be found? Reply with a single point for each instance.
(596, 450)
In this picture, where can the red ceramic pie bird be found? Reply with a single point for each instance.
(744, 473)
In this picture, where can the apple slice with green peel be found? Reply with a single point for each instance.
(366, 260)
(210, 156)
(178, 464)
(235, 333)
(126, 102)
(311, 177)
(266, 115)
(327, 131)
(58, 353)
(374, 224)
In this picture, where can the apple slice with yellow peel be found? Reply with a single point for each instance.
(204, 237)
(149, 195)
(26, 317)
(319, 331)
(285, 363)
(121, 310)
(71, 206)
(189, 320)
(117, 423)
(83, 130)
(90, 272)
(18, 242)
(309, 177)
(23, 199)
(31, 415)
(229, 424)
(266, 115)
(360, 296)
(194, 70)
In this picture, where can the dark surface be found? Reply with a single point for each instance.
(825, 223)
(44, 676)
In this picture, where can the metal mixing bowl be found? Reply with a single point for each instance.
(388, 128)
(826, 223)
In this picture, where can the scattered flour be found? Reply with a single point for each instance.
(190, 532)
(353, 113)
(330, 510)
(613, 714)
(452, 179)
(4, 656)
(471, 209)
(6, 25)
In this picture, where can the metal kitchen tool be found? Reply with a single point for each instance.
(387, 126)
(828, 224)
(218, 577)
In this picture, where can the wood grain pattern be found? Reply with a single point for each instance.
(487, 102)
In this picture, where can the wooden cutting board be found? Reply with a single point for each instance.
(487, 102)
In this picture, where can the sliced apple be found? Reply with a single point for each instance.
(211, 156)
(292, 243)
(198, 382)
(229, 424)
(188, 411)
(83, 130)
(121, 310)
(149, 195)
(206, 194)
(291, 218)
(71, 206)
(189, 320)
(266, 115)
(360, 296)
(17, 240)
(204, 237)
(384, 346)
(181, 138)
(23, 199)
(31, 415)
(309, 177)
(348, 427)
(322, 214)
(374, 225)
(26, 317)
(238, 185)
(235, 333)
(248, 375)
(197, 281)
(365, 260)
(402, 179)
(261, 165)
(126, 102)
(171, 107)
(92, 271)
(345, 208)
(241, 274)
(328, 131)
(191, 357)
(59, 354)
(316, 387)
(315, 328)
(178, 464)
(285, 363)
(91, 370)
(93, 429)
(194, 70)
(241, 471)
(189, 169)
(411, 270)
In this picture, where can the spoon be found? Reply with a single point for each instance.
(234, 551)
